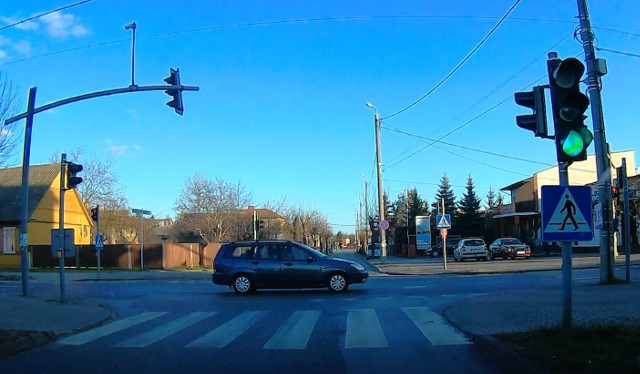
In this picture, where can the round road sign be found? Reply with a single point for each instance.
(384, 224)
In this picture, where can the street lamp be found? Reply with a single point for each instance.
(383, 239)
(132, 26)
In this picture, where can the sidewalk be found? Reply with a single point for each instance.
(27, 322)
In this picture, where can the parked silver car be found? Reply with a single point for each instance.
(471, 248)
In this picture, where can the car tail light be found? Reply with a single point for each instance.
(462, 249)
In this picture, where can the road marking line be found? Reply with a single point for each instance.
(227, 332)
(295, 332)
(109, 329)
(161, 332)
(364, 330)
(433, 327)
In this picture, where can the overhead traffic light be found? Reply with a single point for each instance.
(536, 122)
(95, 213)
(569, 104)
(72, 179)
(175, 93)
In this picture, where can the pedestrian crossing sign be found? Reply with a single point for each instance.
(99, 242)
(566, 213)
(443, 221)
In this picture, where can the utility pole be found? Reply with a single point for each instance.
(366, 213)
(595, 69)
(383, 238)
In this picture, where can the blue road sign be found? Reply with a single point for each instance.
(566, 213)
(443, 221)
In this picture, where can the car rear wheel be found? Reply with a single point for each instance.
(337, 282)
(242, 284)
(435, 253)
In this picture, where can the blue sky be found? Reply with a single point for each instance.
(281, 101)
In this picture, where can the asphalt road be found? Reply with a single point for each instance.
(390, 324)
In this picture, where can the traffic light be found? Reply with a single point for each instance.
(175, 93)
(536, 122)
(72, 179)
(95, 213)
(260, 225)
(569, 104)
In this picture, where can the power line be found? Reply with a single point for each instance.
(511, 157)
(618, 52)
(455, 69)
(45, 13)
(504, 83)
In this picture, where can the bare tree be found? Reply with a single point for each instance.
(9, 103)
(210, 207)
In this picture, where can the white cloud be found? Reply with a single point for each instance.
(28, 25)
(61, 25)
(3, 54)
(23, 47)
(117, 150)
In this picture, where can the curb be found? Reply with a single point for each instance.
(25, 340)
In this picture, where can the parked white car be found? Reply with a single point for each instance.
(471, 248)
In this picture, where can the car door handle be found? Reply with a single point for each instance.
(255, 262)
(288, 264)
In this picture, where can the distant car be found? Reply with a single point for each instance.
(250, 265)
(436, 250)
(471, 248)
(509, 248)
(373, 251)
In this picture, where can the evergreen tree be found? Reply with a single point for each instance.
(491, 205)
(470, 220)
(444, 192)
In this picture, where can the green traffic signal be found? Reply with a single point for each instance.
(569, 104)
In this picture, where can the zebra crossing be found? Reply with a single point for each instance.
(362, 328)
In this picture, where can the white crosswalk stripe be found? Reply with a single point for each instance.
(227, 332)
(161, 332)
(109, 329)
(295, 332)
(433, 327)
(364, 330)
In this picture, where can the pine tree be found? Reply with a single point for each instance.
(470, 220)
(444, 192)
(491, 205)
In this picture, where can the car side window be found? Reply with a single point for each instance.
(267, 252)
(240, 252)
(296, 253)
(496, 242)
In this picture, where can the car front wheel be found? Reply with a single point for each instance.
(435, 253)
(242, 284)
(337, 283)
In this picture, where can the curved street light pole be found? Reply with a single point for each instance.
(383, 239)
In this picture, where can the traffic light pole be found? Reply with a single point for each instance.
(61, 251)
(566, 260)
(594, 85)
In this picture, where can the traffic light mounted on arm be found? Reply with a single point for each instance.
(536, 122)
(569, 104)
(175, 93)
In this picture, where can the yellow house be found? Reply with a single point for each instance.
(43, 212)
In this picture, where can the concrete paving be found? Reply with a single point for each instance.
(27, 322)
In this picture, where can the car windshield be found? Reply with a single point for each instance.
(511, 241)
(473, 242)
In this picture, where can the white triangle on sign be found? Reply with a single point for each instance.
(443, 221)
(567, 217)
(99, 241)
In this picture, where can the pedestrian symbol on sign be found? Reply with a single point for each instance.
(570, 209)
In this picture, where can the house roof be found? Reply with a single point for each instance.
(41, 178)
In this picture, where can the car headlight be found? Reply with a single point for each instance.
(358, 267)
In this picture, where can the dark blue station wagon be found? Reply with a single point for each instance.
(250, 265)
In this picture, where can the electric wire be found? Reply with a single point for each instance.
(617, 52)
(44, 14)
(457, 67)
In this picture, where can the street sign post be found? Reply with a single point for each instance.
(566, 213)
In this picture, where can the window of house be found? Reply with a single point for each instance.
(8, 240)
